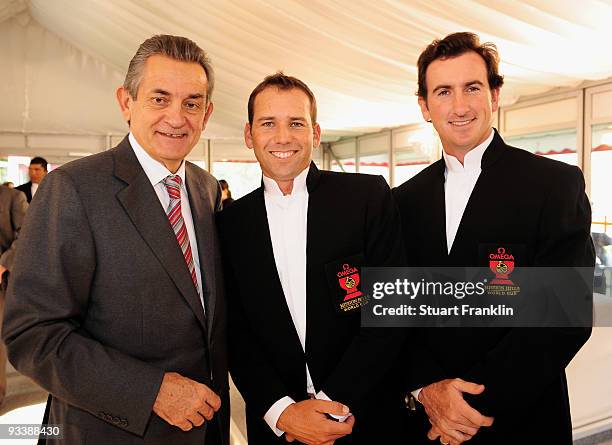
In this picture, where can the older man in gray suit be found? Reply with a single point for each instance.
(115, 304)
(13, 206)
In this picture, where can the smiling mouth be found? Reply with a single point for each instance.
(461, 123)
(173, 135)
(283, 154)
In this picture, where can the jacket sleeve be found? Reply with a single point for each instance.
(47, 301)
(527, 358)
(19, 206)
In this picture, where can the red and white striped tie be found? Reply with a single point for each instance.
(175, 216)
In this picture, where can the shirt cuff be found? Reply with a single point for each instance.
(322, 396)
(416, 394)
(275, 411)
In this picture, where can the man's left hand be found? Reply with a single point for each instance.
(449, 412)
(434, 433)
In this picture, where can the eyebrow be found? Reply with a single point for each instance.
(166, 93)
(466, 84)
(272, 118)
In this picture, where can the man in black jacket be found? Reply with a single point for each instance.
(502, 385)
(293, 252)
(37, 171)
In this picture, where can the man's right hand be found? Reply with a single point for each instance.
(449, 412)
(185, 403)
(307, 422)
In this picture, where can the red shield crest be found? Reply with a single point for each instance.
(350, 284)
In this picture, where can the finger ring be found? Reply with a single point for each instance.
(442, 442)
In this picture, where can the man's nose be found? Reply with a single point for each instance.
(282, 135)
(175, 116)
(460, 104)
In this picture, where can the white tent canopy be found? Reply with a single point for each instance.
(62, 59)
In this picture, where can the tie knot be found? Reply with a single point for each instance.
(173, 180)
(173, 186)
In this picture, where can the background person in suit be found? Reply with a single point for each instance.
(458, 211)
(13, 206)
(293, 251)
(116, 302)
(37, 172)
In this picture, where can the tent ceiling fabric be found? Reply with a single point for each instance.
(359, 57)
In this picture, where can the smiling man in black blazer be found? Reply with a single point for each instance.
(482, 196)
(293, 251)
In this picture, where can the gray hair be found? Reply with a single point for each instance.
(175, 47)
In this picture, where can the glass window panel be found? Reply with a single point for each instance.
(317, 156)
(241, 176)
(342, 156)
(343, 165)
(601, 202)
(415, 152)
(200, 163)
(4, 171)
(375, 164)
(407, 166)
(559, 145)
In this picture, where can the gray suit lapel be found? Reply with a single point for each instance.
(203, 223)
(142, 206)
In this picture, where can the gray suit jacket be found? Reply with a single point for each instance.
(13, 206)
(101, 302)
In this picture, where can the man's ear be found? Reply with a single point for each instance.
(125, 103)
(495, 93)
(424, 109)
(316, 139)
(248, 138)
(209, 110)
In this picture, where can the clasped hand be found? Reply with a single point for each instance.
(453, 420)
(307, 422)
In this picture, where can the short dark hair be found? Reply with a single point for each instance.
(39, 161)
(174, 47)
(454, 45)
(282, 82)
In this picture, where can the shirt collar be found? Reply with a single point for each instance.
(155, 170)
(299, 185)
(471, 160)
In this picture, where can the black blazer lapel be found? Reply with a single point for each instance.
(437, 239)
(142, 206)
(204, 229)
(477, 210)
(273, 299)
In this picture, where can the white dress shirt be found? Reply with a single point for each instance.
(459, 184)
(287, 219)
(157, 172)
(34, 189)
